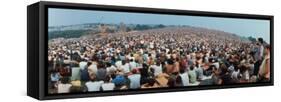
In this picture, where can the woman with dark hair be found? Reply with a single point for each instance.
(178, 81)
(171, 82)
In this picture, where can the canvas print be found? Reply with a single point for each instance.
(97, 51)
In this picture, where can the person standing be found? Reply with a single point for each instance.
(264, 72)
(259, 55)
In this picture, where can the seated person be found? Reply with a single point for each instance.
(134, 79)
(192, 75)
(94, 85)
(108, 85)
(64, 85)
(184, 77)
(120, 82)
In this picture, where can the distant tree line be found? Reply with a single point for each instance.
(147, 27)
(252, 39)
(67, 34)
(81, 32)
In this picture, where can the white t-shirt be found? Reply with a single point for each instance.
(82, 65)
(157, 69)
(94, 86)
(184, 78)
(107, 86)
(64, 88)
(125, 68)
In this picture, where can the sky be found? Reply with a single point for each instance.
(241, 27)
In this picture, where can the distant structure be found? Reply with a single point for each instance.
(103, 29)
(122, 28)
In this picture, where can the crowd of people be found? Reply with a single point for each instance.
(157, 58)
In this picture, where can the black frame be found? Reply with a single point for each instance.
(37, 32)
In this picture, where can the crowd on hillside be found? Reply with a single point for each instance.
(168, 57)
